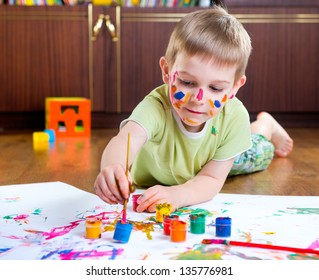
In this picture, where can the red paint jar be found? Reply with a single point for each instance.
(167, 223)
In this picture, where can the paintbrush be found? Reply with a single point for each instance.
(261, 246)
(126, 174)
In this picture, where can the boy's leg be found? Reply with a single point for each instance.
(268, 138)
(267, 126)
(257, 158)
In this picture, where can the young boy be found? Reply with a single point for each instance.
(189, 134)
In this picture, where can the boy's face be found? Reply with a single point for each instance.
(199, 88)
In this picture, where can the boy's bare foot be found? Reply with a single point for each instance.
(280, 138)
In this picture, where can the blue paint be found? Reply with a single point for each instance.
(122, 232)
(223, 226)
(217, 104)
(179, 95)
(3, 250)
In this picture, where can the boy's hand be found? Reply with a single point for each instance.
(156, 195)
(111, 185)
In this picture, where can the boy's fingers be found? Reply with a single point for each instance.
(104, 195)
(123, 185)
(149, 197)
(111, 186)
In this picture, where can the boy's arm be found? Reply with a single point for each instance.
(111, 185)
(206, 184)
(203, 187)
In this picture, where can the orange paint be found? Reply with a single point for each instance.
(190, 121)
(93, 227)
(178, 231)
(187, 97)
(224, 98)
(211, 103)
(173, 88)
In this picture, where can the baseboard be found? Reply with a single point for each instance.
(36, 120)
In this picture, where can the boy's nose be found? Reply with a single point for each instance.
(197, 95)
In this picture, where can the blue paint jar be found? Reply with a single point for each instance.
(122, 232)
(223, 226)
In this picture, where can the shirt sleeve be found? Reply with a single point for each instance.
(150, 114)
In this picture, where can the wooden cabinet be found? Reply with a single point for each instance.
(43, 52)
(50, 51)
(53, 51)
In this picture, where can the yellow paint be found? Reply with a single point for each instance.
(190, 121)
(211, 103)
(161, 210)
(93, 228)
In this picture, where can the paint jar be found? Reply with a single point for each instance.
(223, 226)
(161, 210)
(122, 232)
(178, 231)
(167, 219)
(135, 197)
(93, 227)
(197, 223)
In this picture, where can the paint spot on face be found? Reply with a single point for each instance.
(211, 103)
(190, 121)
(231, 97)
(200, 95)
(173, 88)
(179, 95)
(217, 104)
(224, 98)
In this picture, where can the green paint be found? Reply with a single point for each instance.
(302, 257)
(9, 217)
(190, 211)
(298, 211)
(306, 210)
(37, 211)
(201, 254)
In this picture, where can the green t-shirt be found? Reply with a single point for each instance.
(172, 155)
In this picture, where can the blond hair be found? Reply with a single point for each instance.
(214, 34)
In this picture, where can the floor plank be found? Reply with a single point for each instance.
(76, 161)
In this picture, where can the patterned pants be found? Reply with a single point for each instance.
(257, 158)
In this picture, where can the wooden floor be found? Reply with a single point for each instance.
(76, 161)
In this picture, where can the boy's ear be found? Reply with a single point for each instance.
(241, 81)
(165, 69)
